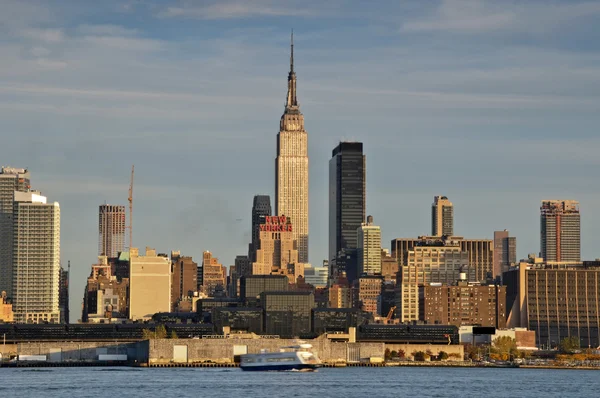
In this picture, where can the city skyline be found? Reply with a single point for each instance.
(511, 125)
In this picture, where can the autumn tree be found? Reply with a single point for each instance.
(568, 345)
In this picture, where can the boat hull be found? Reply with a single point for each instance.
(280, 367)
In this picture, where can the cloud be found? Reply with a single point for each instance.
(105, 30)
(45, 35)
(235, 9)
(125, 43)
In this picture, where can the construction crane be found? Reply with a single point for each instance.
(389, 315)
(130, 199)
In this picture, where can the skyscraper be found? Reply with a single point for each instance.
(442, 217)
(111, 230)
(11, 180)
(560, 231)
(261, 207)
(277, 253)
(347, 196)
(505, 252)
(36, 258)
(291, 166)
(369, 248)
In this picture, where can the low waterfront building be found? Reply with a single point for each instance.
(287, 314)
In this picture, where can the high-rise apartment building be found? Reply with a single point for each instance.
(291, 167)
(347, 198)
(369, 248)
(111, 230)
(11, 180)
(505, 252)
(184, 278)
(560, 231)
(36, 258)
(149, 284)
(261, 207)
(442, 217)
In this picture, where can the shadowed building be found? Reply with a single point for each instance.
(505, 252)
(288, 314)
(347, 200)
(252, 286)
(261, 207)
(291, 167)
(11, 180)
(214, 275)
(184, 278)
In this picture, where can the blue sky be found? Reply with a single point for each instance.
(495, 104)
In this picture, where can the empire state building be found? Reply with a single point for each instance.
(291, 166)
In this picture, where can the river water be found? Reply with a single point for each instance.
(330, 382)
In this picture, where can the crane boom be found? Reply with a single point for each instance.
(130, 199)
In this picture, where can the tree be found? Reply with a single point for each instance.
(419, 355)
(401, 354)
(173, 335)
(388, 354)
(504, 345)
(569, 345)
(442, 356)
(160, 332)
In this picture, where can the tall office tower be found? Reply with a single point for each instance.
(36, 259)
(111, 230)
(347, 198)
(149, 284)
(261, 207)
(442, 217)
(291, 167)
(184, 278)
(505, 252)
(560, 231)
(11, 180)
(369, 248)
(277, 248)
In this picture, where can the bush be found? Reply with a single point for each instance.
(442, 356)
(420, 356)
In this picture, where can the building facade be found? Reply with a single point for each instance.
(291, 167)
(36, 259)
(261, 208)
(505, 252)
(369, 289)
(278, 252)
(11, 180)
(184, 278)
(556, 301)
(369, 248)
(214, 275)
(149, 284)
(463, 304)
(347, 197)
(560, 231)
(111, 230)
(442, 217)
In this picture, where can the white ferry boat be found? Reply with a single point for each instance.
(297, 357)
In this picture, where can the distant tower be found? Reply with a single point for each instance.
(11, 180)
(560, 231)
(111, 230)
(505, 252)
(291, 166)
(442, 217)
(261, 208)
(369, 248)
(347, 196)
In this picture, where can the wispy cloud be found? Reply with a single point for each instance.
(45, 35)
(227, 9)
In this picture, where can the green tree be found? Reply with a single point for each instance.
(419, 355)
(173, 335)
(160, 332)
(442, 356)
(504, 345)
(388, 354)
(147, 334)
(569, 345)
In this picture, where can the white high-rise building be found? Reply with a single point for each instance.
(36, 258)
(369, 248)
(291, 167)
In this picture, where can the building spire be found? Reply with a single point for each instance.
(291, 102)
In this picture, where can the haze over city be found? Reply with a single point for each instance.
(494, 104)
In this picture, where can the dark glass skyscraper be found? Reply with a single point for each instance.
(347, 200)
(261, 207)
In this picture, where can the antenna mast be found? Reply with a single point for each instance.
(130, 199)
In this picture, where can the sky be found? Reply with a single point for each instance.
(495, 104)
